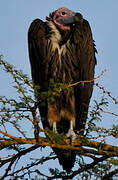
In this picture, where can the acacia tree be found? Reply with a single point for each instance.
(23, 143)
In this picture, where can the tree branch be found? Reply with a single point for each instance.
(14, 157)
(101, 148)
(110, 175)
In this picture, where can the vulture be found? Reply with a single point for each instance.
(62, 50)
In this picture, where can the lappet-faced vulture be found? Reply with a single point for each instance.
(62, 49)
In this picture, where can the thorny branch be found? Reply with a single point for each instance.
(107, 112)
(107, 92)
(110, 175)
(14, 157)
(34, 163)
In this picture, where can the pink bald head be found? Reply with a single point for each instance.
(62, 16)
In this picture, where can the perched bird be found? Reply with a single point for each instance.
(62, 49)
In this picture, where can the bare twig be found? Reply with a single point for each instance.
(87, 81)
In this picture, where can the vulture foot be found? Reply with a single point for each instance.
(71, 134)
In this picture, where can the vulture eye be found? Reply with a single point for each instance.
(63, 13)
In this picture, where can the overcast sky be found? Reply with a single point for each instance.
(17, 15)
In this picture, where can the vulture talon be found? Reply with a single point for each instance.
(71, 134)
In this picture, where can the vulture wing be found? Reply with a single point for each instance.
(38, 55)
(86, 64)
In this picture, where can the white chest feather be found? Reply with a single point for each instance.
(61, 50)
(55, 40)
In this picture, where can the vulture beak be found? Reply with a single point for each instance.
(72, 19)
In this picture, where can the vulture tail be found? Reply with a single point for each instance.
(66, 158)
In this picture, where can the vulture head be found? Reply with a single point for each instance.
(63, 18)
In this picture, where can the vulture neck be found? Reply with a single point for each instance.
(57, 35)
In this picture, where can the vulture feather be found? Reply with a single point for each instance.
(62, 49)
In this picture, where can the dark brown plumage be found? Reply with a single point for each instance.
(62, 49)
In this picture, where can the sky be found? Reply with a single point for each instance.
(17, 15)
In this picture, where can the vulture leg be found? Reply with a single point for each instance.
(54, 127)
(53, 117)
(71, 134)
